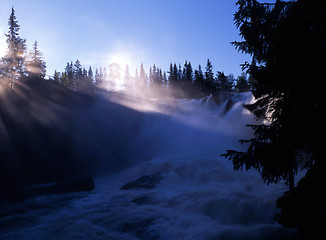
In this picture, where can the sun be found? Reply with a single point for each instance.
(126, 53)
(117, 61)
(120, 58)
(123, 53)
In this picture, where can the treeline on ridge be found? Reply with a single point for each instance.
(45, 130)
(195, 83)
(18, 64)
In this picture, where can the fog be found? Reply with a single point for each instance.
(200, 196)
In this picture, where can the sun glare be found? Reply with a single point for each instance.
(117, 62)
(3, 45)
(120, 58)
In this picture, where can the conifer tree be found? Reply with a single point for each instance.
(179, 75)
(77, 75)
(223, 82)
(114, 75)
(77, 68)
(105, 73)
(97, 78)
(183, 73)
(101, 77)
(152, 76)
(90, 74)
(242, 84)
(57, 77)
(84, 73)
(14, 60)
(186, 78)
(165, 80)
(65, 79)
(69, 74)
(85, 83)
(287, 43)
(174, 75)
(142, 77)
(171, 77)
(35, 65)
(127, 78)
(160, 77)
(209, 81)
(155, 77)
(199, 79)
(188, 74)
(136, 81)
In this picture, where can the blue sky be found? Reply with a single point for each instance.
(99, 32)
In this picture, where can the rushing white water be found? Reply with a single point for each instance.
(200, 196)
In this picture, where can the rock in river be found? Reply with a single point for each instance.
(144, 182)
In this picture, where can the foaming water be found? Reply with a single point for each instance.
(199, 197)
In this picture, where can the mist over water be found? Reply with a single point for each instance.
(199, 197)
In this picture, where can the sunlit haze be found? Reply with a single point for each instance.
(140, 119)
(100, 32)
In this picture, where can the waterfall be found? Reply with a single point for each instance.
(200, 196)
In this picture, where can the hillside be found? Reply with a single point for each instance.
(49, 132)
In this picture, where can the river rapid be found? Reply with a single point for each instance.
(199, 197)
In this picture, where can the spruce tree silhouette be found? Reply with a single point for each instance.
(287, 43)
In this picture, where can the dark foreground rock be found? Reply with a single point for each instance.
(144, 182)
(20, 193)
(73, 185)
(12, 194)
(305, 206)
(144, 200)
(140, 228)
(229, 105)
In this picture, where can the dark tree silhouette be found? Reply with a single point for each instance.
(14, 62)
(69, 78)
(199, 79)
(287, 41)
(223, 83)
(90, 74)
(242, 84)
(173, 75)
(275, 39)
(209, 80)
